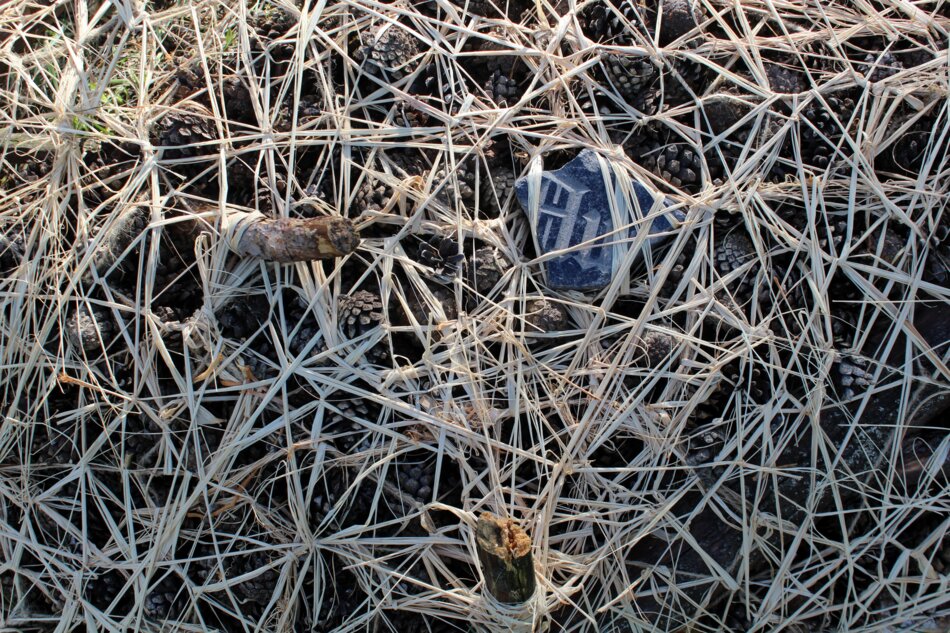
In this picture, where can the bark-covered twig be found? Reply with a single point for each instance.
(289, 240)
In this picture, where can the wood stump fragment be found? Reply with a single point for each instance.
(504, 553)
(290, 240)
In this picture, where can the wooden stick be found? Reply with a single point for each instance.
(289, 240)
(504, 552)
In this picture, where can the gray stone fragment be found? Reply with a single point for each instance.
(574, 208)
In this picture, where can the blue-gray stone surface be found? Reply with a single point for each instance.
(574, 208)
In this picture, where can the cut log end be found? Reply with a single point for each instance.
(504, 552)
(342, 235)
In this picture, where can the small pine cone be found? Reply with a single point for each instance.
(416, 480)
(686, 78)
(344, 423)
(785, 80)
(503, 88)
(103, 588)
(180, 131)
(339, 498)
(388, 50)
(167, 599)
(937, 269)
(442, 256)
(655, 348)
(53, 447)
(237, 100)
(308, 328)
(372, 195)
(307, 110)
(831, 235)
(634, 77)
(731, 252)
(675, 275)
(422, 311)
(545, 316)
(645, 144)
(242, 317)
(141, 440)
(680, 165)
(880, 67)
(851, 376)
(512, 9)
(485, 268)
(941, 559)
(260, 588)
(824, 128)
(90, 328)
(459, 185)
(889, 249)
(844, 325)
(908, 152)
(724, 110)
(359, 313)
(270, 24)
(677, 18)
(498, 190)
(445, 93)
(608, 22)
(753, 381)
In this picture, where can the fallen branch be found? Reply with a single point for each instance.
(289, 240)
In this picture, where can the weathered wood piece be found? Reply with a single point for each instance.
(504, 553)
(289, 240)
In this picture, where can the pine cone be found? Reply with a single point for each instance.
(350, 435)
(498, 190)
(823, 129)
(458, 185)
(12, 250)
(634, 77)
(785, 80)
(503, 88)
(90, 329)
(104, 587)
(731, 252)
(485, 268)
(259, 589)
(851, 376)
(675, 19)
(372, 195)
(442, 256)
(359, 313)
(655, 348)
(180, 132)
(167, 599)
(878, 67)
(388, 50)
(545, 316)
(416, 480)
(614, 23)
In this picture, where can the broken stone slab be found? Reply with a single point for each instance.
(584, 210)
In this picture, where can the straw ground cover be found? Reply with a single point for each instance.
(744, 431)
